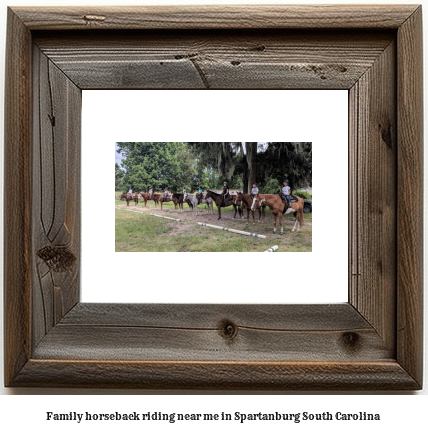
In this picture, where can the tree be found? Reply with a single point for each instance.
(152, 164)
(280, 160)
(251, 153)
(188, 174)
(119, 177)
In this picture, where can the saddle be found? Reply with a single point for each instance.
(293, 200)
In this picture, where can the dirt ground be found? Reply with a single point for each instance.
(189, 219)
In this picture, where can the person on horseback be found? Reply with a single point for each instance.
(150, 192)
(254, 190)
(200, 194)
(166, 193)
(286, 191)
(225, 193)
(184, 189)
(130, 192)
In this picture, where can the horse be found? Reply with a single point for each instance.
(163, 199)
(208, 203)
(128, 198)
(277, 208)
(145, 196)
(218, 200)
(193, 199)
(179, 197)
(247, 201)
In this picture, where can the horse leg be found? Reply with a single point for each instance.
(219, 211)
(280, 222)
(274, 223)
(234, 207)
(254, 221)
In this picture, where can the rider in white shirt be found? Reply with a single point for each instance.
(254, 190)
(287, 191)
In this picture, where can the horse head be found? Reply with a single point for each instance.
(257, 202)
(238, 197)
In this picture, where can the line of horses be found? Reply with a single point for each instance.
(238, 201)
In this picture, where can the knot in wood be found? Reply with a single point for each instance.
(351, 340)
(58, 259)
(227, 329)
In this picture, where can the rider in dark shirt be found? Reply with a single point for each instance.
(225, 192)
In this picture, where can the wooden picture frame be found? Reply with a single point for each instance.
(372, 342)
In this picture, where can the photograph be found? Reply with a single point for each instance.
(213, 196)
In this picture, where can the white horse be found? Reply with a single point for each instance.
(193, 199)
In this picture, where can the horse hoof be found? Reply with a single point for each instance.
(273, 232)
(281, 233)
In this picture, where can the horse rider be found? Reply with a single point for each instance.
(286, 192)
(200, 194)
(225, 192)
(166, 193)
(150, 192)
(184, 190)
(130, 192)
(254, 190)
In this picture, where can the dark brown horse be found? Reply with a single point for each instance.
(277, 208)
(128, 198)
(230, 201)
(179, 200)
(247, 202)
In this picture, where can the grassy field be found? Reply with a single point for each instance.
(137, 232)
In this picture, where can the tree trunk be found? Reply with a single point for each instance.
(251, 150)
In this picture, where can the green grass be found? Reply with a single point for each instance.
(145, 233)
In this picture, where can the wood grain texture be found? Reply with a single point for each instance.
(410, 203)
(373, 164)
(216, 60)
(197, 332)
(385, 375)
(55, 195)
(216, 17)
(372, 342)
(17, 199)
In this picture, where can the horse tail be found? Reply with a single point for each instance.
(301, 213)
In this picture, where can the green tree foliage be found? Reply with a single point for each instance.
(119, 174)
(158, 165)
(280, 160)
(208, 164)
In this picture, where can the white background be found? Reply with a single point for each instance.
(400, 412)
(318, 116)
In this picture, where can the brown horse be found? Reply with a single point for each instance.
(163, 199)
(128, 198)
(277, 208)
(230, 201)
(154, 198)
(247, 201)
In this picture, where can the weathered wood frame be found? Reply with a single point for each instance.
(372, 342)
